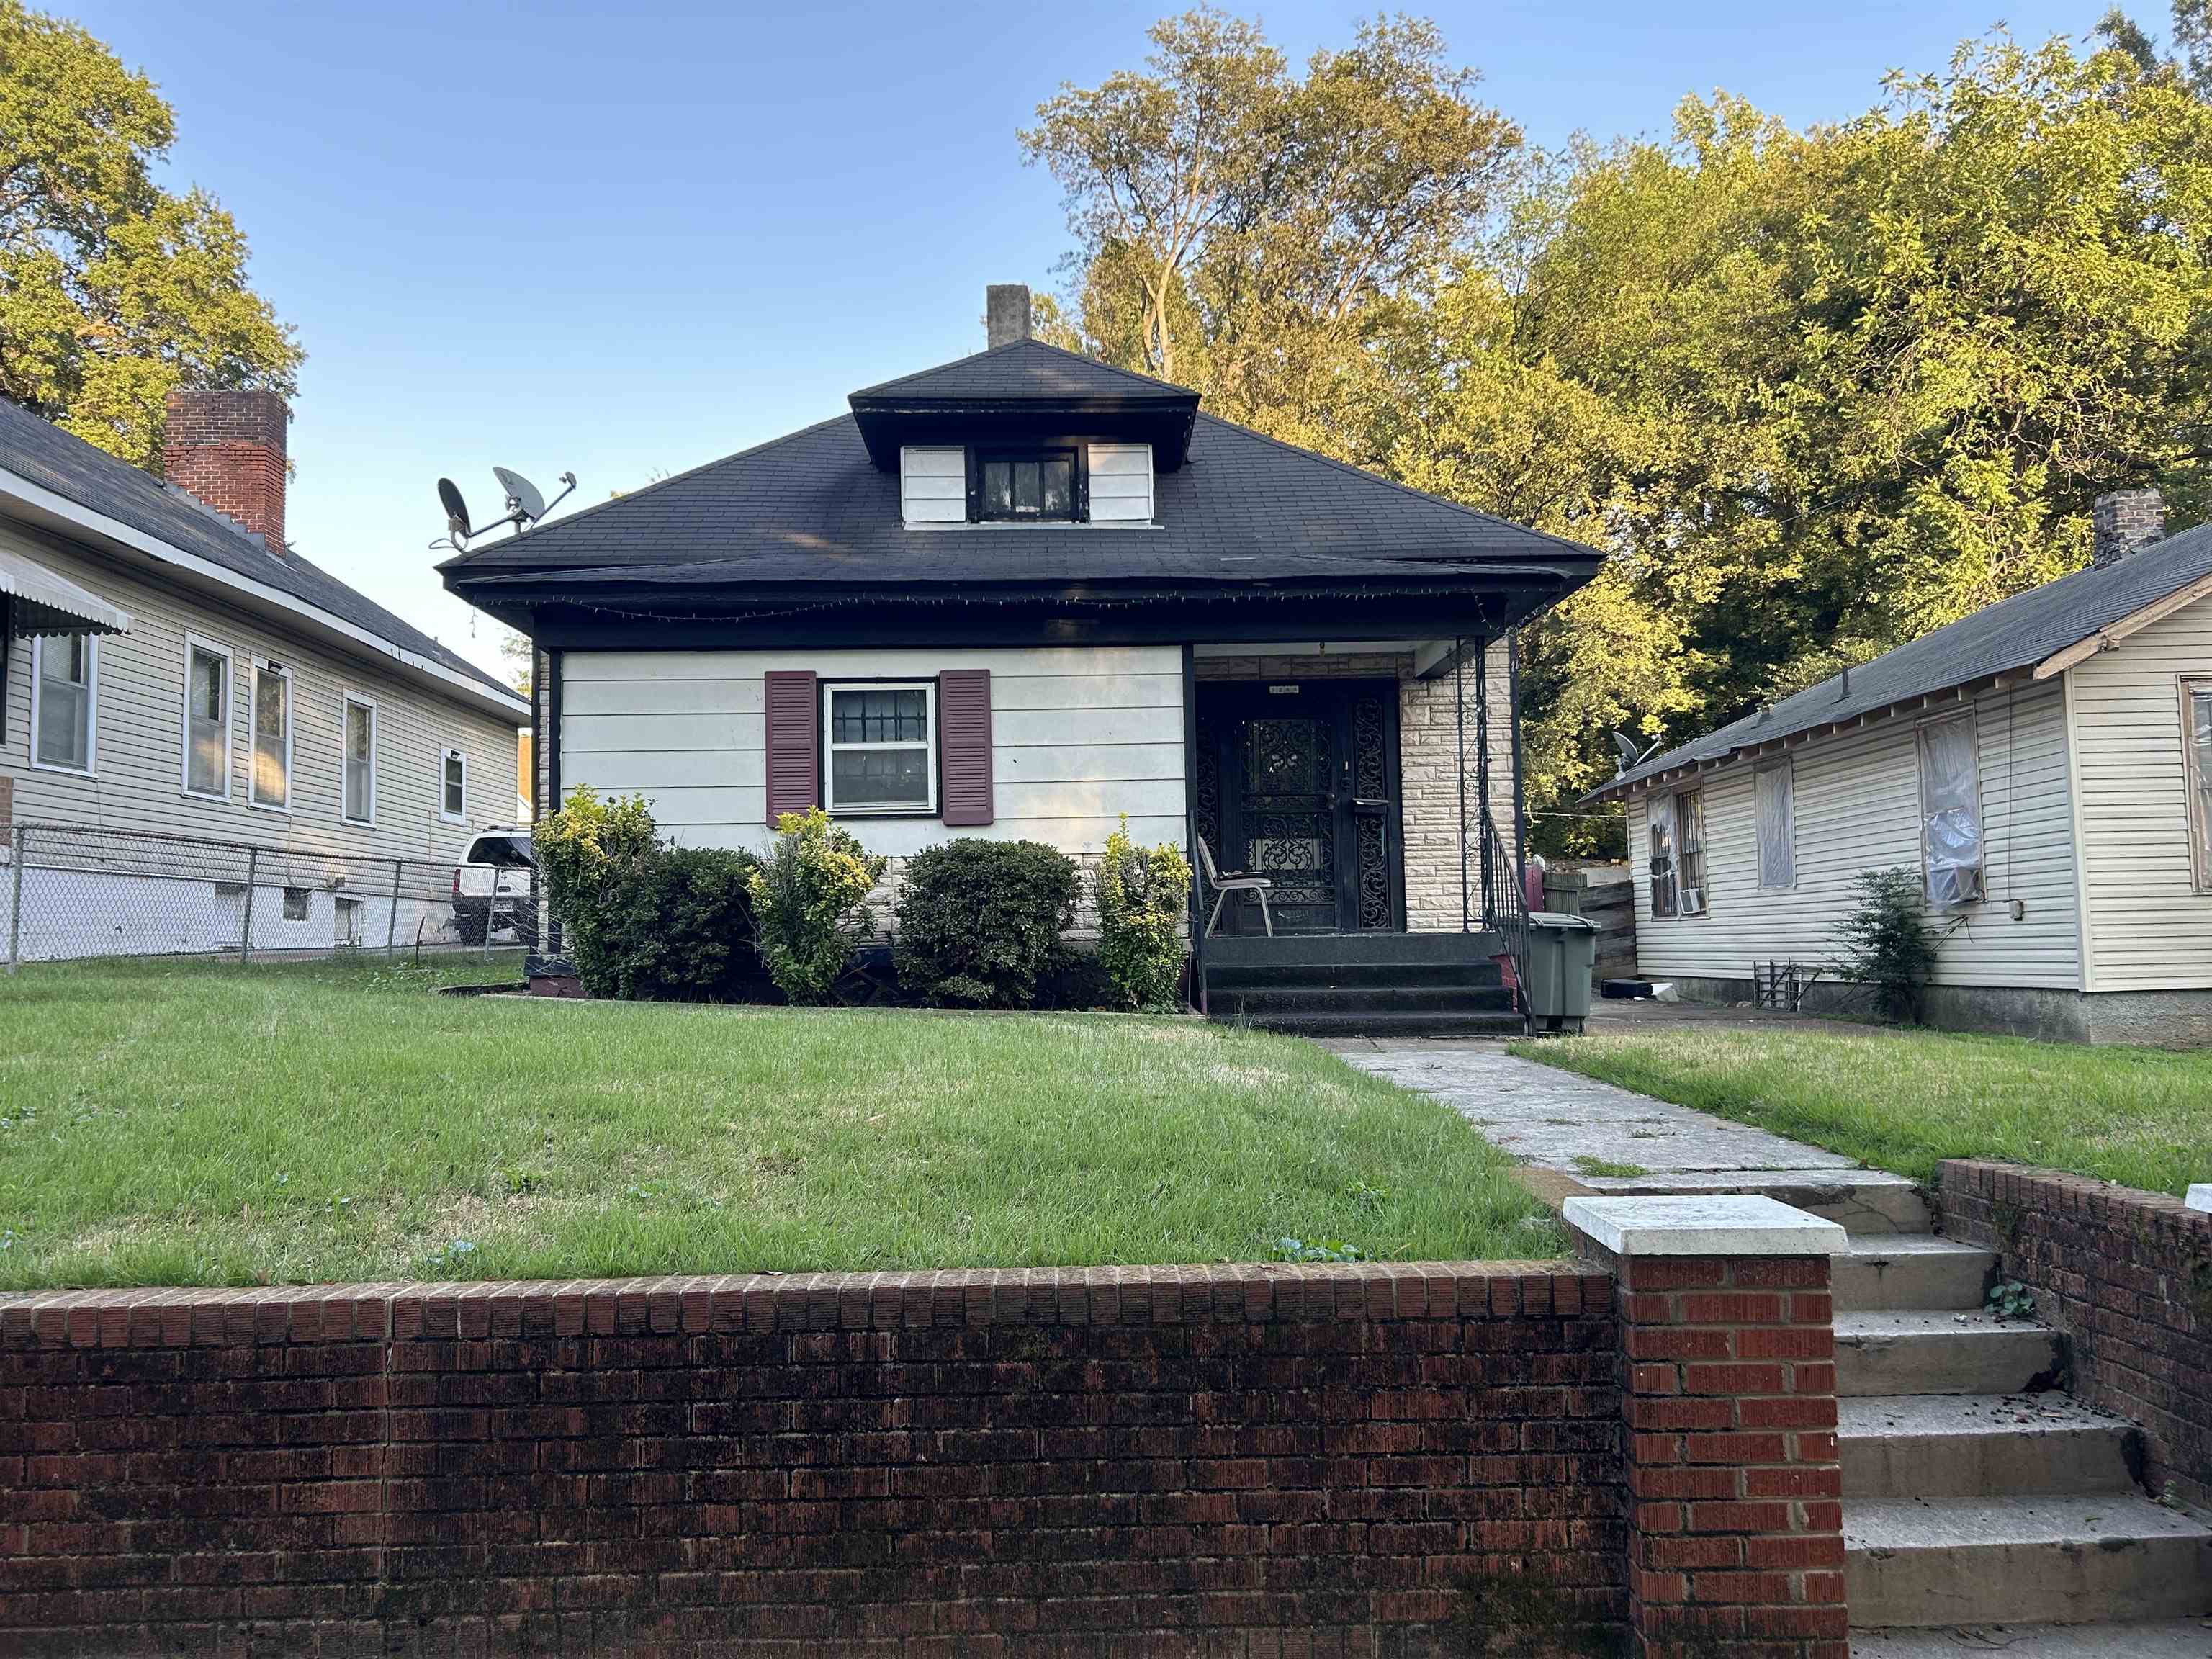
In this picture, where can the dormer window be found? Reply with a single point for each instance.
(1024, 485)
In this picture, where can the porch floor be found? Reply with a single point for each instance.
(1360, 984)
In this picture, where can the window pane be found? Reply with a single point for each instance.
(454, 775)
(998, 488)
(2200, 721)
(360, 760)
(879, 777)
(1059, 488)
(209, 739)
(1027, 487)
(1663, 855)
(1778, 827)
(1690, 819)
(1951, 808)
(272, 718)
(869, 716)
(63, 726)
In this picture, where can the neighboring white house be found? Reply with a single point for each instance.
(2046, 763)
(167, 670)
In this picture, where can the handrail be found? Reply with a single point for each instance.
(1505, 913)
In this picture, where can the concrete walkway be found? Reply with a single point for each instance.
(1575, 1125)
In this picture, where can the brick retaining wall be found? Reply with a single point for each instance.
(1218, 1460)
(2127, 1275)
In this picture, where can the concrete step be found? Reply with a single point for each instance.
(1895, 1272)
(2165, 1638)
(1937, 1445)
(1400, 1023)
(1358, 1000)
(2042, 1559)
(1870, 1201)
(1263, 975)
(1939, 1352)
(1228, 950)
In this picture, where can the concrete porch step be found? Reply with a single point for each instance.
(1900, 1272)
(1870, 1201)
(1905, 1446)
(2041, 1559)
(2165, 1638)
(1941, 1352)
(1365, 998)
(1311, 950)
(1396, 1023)
(1268, 976)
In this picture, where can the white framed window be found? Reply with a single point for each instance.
(2197, 759)
(879, 747)
(453, 787)
(272, 737)
(1665, 869)
(64, 696)
(207, 719)
(1950, 811)
(1690, 830)
(357, 763)
(1776, 788)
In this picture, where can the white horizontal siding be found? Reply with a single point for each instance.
(1079, 737)
(1857, 797)
(2148, 927)
(138, 778)
(934, 484)
(1121, 483)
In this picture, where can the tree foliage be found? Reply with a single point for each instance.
(1815, 392)
(113, 289)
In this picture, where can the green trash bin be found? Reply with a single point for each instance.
(1562, 963)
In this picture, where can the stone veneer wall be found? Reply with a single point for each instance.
(1383, 1459)
(1428, 740)
(2127, 1276)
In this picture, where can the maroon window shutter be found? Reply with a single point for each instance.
(794, 739)
(963, 724)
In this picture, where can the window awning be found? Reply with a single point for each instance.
(41, 602)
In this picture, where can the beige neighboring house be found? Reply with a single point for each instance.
(2046, 763)
(168, 669)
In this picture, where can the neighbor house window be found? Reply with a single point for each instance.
(1018, 485)
(1951, 812)
(1776, 793)
(2197, 744)
(64, 674)
(272, 735)
(453, 787)
(357, 802)
(1690, 830)
(881, 745)
(1664, 871)
(207, 719)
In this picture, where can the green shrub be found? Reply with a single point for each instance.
(981, 924)
(1144, 895)
(806, 895)
(642, 919)
(1886, 944)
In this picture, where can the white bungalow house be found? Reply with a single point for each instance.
(2046, 763)
(1024, 594)
(204, 735)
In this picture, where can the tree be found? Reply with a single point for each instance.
(112, 290)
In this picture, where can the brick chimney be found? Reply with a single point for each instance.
(2124, 521)
(1006, 313)
(227, 448)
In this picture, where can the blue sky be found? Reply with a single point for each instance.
(625, 240)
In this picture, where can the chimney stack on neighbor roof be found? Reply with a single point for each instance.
(2123, 521)
(1006, 313)
(227, 448)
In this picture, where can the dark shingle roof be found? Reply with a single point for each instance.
(1026, 371)
(810, 508)
(2012, 634)
(59, 461)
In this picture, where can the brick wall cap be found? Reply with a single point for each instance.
(1709, 1224)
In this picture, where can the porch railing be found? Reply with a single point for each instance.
(1505, 913)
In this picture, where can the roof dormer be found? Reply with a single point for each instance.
(1012, 481)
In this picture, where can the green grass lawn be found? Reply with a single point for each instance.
(195, 1124)
(1902, 1099)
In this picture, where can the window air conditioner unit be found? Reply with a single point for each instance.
(1693, 902)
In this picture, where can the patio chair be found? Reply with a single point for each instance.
(1235, 881)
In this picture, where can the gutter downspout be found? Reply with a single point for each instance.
(1190, 822)
(1459, 721)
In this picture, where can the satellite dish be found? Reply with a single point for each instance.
(522, 495)
(457, 509)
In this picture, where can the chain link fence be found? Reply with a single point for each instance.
(69, 892)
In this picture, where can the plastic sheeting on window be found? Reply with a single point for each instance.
(1663, 856)
(2200, 736)
(1951, 813)
(1778, 826)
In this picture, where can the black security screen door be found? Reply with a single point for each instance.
(1299, 782)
